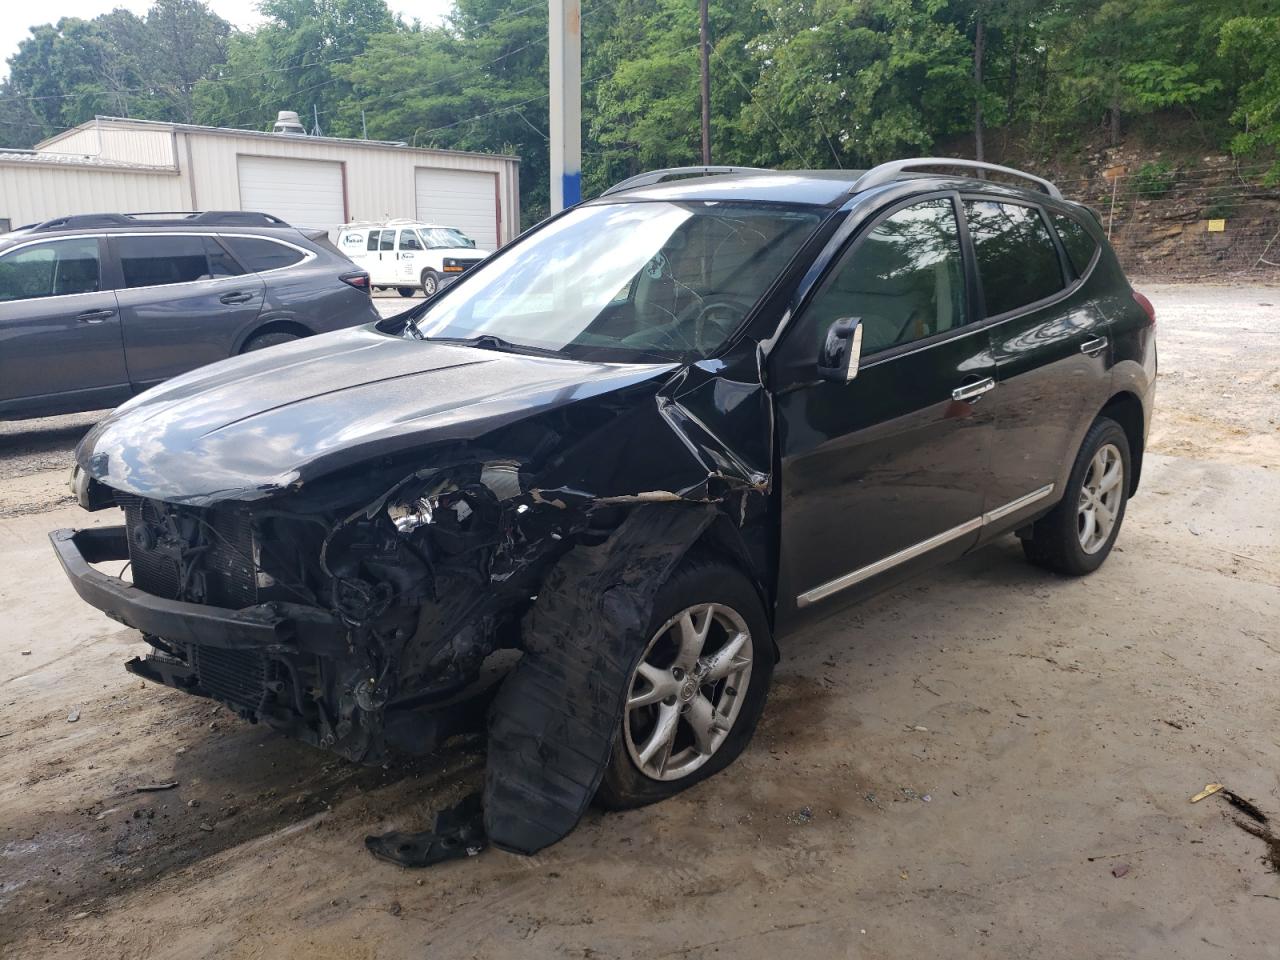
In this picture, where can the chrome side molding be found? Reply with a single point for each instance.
(824, 590)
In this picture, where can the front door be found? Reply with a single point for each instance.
(886, 472)
(409, 256)
(60, 344)
(184, 302)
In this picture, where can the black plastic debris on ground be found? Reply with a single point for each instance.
(1245, 806)
(458, 833)
(1258, 825)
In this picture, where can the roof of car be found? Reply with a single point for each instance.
(817, 187)
(823, 187)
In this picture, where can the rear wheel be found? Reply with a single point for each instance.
(430, 282)
(1077, 535)
(697, 694)
(406, 291)
(264, 340)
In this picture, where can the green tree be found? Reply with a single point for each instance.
(1254, 43)
(869, 79)
(116, 63)
(291, 63)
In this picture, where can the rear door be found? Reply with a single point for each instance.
(887, 472)
(184, 302)
(60, 342)
(382, 257)
(1050, 347)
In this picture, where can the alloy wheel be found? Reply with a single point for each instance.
(687, 691)
(1100, 497)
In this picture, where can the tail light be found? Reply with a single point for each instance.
(358, 280)
(1146, 306)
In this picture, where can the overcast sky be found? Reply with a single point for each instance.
(18, 17)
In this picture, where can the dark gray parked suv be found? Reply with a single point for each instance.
(97, 308)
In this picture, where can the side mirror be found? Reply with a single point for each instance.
(841, 351)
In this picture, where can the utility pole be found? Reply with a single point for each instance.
(704, 36)
(565, 48)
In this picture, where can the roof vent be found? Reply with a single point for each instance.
(287, 122)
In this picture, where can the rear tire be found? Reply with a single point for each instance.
(1076, 536)
(406, 291)
(430, 282)
(714, 589)
(264, 340)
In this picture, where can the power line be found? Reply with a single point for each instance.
(808, 93)
(512, 106)
(454, 76)
(781, 136)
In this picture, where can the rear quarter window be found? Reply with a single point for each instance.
(1017, 258)
(1076, 240)
(259, 254)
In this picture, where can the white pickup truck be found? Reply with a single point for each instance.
(409, 255)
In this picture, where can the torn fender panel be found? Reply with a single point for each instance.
(553, 723)
(256, 425)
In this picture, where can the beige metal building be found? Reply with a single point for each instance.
(117, 165)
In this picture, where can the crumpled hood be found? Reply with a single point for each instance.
(249, 426)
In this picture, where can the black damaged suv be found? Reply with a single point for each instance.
(640, 445)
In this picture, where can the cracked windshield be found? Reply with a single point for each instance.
(627, 281)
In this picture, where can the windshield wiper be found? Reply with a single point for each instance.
(488, 341)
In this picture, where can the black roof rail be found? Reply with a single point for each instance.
(89, 221)
(242, 218)
(888, 172)
(83, 220)
(670, 173)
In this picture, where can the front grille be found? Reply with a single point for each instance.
(238, 677)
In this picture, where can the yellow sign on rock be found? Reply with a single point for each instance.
(1215, 226)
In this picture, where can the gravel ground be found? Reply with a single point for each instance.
(986, 762)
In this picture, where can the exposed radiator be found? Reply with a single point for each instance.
(238, 677)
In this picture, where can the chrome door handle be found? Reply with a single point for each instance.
(972, 391)
(1093, 346)
(95, 316)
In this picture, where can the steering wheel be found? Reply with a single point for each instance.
(712, 319)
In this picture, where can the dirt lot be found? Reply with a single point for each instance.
(991, 762)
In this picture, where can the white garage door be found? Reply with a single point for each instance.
(305, 193)
(460, 198)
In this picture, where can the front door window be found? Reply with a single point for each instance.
(905, 280)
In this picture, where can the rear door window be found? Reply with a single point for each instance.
(54, 269)
(373, 240)
(388, 240)
(1076, 240)
(260, 254)
(1017, 259)
(165, 259)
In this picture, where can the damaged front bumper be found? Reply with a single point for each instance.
(270, 662)
(269, 627)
